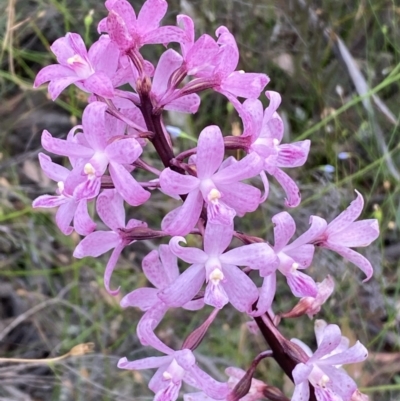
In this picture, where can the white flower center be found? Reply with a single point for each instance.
(214, 195)
(60, 185)
(295, 266)
(81, 67)
(216, 276)
(167, 375)
(89, 170)
(324, 380)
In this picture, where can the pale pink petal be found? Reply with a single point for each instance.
(154, 271)
(188, 254)
(226, 61)
(257, 256)
(83, 223)
(215, 295)
(56, 86)
(300, 374)
(100, 84)
(142, 298)
(266, 296)
(330, 340)
(64, 148)
(248, 167)
(194, 305)
(77, 44)
(62, 49)
(49, 201)
(360, 233)
(169, 61)
(243, 198)
(184, 104)
(301, 392)
(246, 85)
(93, 121)
(347, 217)
(117, 29)
(210, 386)
(145, 363)
(123, 151)
(147, 324)
(302, 285)
(110, 208)
(217, 238)
(291, 189)
(52, 170)
(284, 229)
(96, 243)
(104, 56)
(186, 23)
(169, 262)
(293, 154)
(274, 102)
(164, 35)
(151, 14)
(197, 397)
(200, 57)
(356, 353)
(185, 287)
(127, 186)
(317, 227)
(64, 216)
(252, 125)
(183, 219)
(110, 268)
(51, 72)
(353, 257)
(241, 290)
(177, 184)
(340, 381)
(303, 255)
(210, 151)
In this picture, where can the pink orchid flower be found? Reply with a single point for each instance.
(131, 32)
(292, 257)
(161, 269)
(70, 206)
(263, 131)
(173, 369)
(323, 370)
(110, 208)
(224, 195)
(225, 281)
(91, 71)
(98, 149)
(344, 233)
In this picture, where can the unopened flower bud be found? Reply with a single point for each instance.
(274, 394)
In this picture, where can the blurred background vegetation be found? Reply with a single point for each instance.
(337, 66)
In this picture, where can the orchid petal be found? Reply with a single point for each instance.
(246, 85)
(301, 392)
(248, 167)
(317, 228)
(184, 104)
(302, 285)
(217, 238)
(127, 186)
(83, 223)
(347, 217)
(123, 151)
(257, 256)
(110, 208)
(210, 151)
(330, 340)
(174, 183)
(241, 290)
(52, 72)
(301, 372)
(356, 353)
(284, 229)
(294, 154)
(64, 216)
(100, 84)
(358, 234)
(145, 363)
(183, 219)
(185, 287)
(64, 148)
(93, 121)
(354, 257)
(188, 254)
(169, 62)
(52, 170)
(56, 86)
(292, 190)
(96, 243)
(142, 298)
(267, 294)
